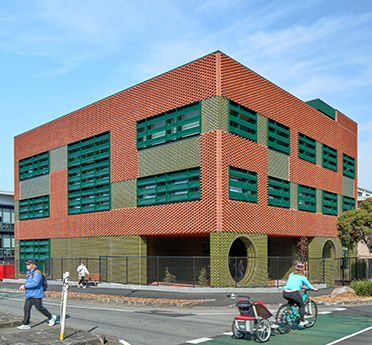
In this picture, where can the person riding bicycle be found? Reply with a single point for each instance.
(292, 289)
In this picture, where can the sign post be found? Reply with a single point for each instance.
(66, 276)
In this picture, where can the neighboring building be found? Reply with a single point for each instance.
(209, 159)
(6, 225)
(363, 194)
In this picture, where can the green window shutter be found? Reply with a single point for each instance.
(242, 121)
(34, 208)
(279, 193)
(306, 148)
(34, 166)
(348, 203)
(329, 157)
(179, 186)
(38, 250)
(89, 184)
(242, 185)
(348, 166)
(176, 124)
(306, 198)
(330, 204)
(278, 137)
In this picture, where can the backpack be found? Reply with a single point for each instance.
(45, 282)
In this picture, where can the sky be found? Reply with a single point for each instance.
(61, 55)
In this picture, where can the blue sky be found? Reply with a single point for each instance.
(58, 56)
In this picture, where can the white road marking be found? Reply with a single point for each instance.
(324, 312)
(198, 341)
(340, 309)
(350, 336)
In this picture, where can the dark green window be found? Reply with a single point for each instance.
(38, 250)
(242, 121)
(34, 166)
(306, 198)
(347, 203)
(34, 208)
(167, 188)
(172, 125)
(242, 185)
(306, 148)
(278, 137)
(329, 157)
(330, 203)
(89, 175)
(348, 166)
(278, 192)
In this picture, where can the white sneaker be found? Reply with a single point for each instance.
(274, 325)
(84, 287)
(52, 321)
(24, 327)
(78, 285)
(303, 323)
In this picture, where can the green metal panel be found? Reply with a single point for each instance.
(294, 195)
(242, 121)
(261, 129)
(322, 107)
(124, 194)
(37, 249)
(36, 187)
(347, 203)
(242, 185)
(34, 208)
(278, 192)
(330, 203)
(214, 113)
(348, 166)
(306, 198)
(278, 137)
(329, 157)
(179, 155)
(277, 164)
(306, 148)
(348, 186)
(58, 159)
(33, 166)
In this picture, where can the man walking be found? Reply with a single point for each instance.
(34, 294)
(82, 271)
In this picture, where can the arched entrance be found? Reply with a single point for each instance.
(329, 250)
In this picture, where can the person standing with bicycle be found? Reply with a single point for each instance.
(292, 289)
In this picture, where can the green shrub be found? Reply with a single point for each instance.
(362, 287)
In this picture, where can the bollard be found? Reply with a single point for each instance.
(64, 304)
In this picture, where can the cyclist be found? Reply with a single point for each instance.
(292, 289)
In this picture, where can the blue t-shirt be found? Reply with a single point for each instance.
(295, 282)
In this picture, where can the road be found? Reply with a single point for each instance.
(173, 326)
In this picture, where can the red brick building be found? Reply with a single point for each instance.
(207, 159)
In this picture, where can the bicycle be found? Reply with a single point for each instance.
(249, 321)
(288, 313)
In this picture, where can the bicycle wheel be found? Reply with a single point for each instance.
(311, 313)
(263, 330)
(236, 333)
(284, 319)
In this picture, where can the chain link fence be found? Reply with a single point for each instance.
(201, 272)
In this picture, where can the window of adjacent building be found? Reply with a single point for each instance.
(242, 185)
(348, 166)
(278, 136)
(347, 203)
(38, 250)
(329, 157)
(242, 121)
(178, 186)
(278, 192)
(34, 208)
(33, 166)
(330, 203)
(89, 175)
(6, 215)
(306, 148)
(306, 198)
(172, 125)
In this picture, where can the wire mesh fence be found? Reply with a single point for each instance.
(201, 272)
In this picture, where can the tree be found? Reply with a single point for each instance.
(356, 226)
(303, 249)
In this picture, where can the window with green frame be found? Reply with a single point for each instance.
(34, 208)
(89, 175)
(172, 125)
(242, 121)
(347, 203)
(242, 185)
(38, 250)
(33, 166)
(330, 205)
(348, 166)
(279, 193)
(329, 158)
(178, 186)
(306, 198)
(306, 148)
(278, 137)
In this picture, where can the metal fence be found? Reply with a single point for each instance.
(199, 272)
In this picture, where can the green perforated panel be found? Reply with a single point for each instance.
(277, 165)
(36, 187)
(58, 159)
(348, 186)
(294, 195)
(214, 114)
(123, 194)
(319, 148)
(262, 129)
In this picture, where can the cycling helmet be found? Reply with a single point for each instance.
(300, 266)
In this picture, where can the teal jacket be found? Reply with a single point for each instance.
(34, 284)
(295, 281)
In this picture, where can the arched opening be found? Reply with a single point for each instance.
(329, 250)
